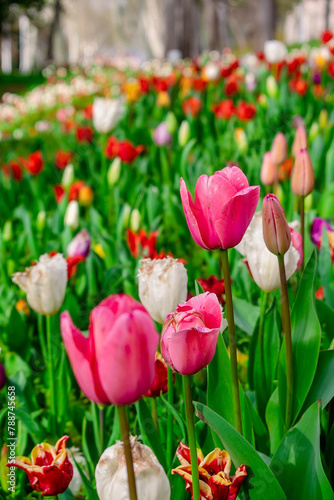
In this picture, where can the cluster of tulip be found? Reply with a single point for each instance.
(187, 348)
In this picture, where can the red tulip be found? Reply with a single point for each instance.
(142, 244)
(84, 134)
(127, 152)
(160, 382)
(224, 109)
(192, 106)
(326, 36)
(115, 363)
(62, 159)
(213, 285)
(223, 208)
(49, 471)
(245, 111)
(35, 163)
(189, 335)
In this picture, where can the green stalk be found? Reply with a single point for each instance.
(286, 326)
(124, 425)
(51, 377)
(191, 436)
(264, 298)
(101, 421)
(170, 398)
(302, 228)
(154, 413)
(232, 340)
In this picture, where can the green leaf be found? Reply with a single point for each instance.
(274, 422)
(219, 393)
(245, 315)
(322, 386)
(326, 319)
(297, 462)
(149, 432)
(261, 482)
(92, 495)
(35, 431)
(325, 268)
(306, 337)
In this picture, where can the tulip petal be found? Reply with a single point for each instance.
(206, 193)
(131, 343)
(208, 305)
(192, 349)
(80, 351)
(234, 177)
(236, 216)
(191, 215)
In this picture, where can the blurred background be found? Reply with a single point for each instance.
(40, 32)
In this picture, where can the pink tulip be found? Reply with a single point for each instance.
(223, 208)
(189, 335)
(115, 364)
(276, 232)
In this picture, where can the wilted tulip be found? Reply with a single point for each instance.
(190, 333)
(223, 208)
(115, 363)
(276, 232)
(261, 263)
(112, 478)
(274, 51)
(162, 286)
(80, 245)
(44, 283)
(107, 113)
(161, 135)
(279, 148)
(300, 140)
(268, 173)
(71, 218)
(49, 471)
(302, 178)
(214, 473)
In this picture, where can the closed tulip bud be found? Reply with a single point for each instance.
(190, 333)
(163, 100)
(300, 140)
(123, 338)
(135, 219)
(271, 85)
(125, 214)
(314, 131)
(241, 140)
(263, 101)
(112, 479)
(7, 233)
(268, 170)
(40, 221)
(107, 113)
(162, 286)
(276, 232)
(71, 218)
(114, 171)
(279, 148)
(184, 133)
(80, 245)
(161, 136)
(302, 178)
(171, 122)
(86, 196)
(49, 471)
(323, 118)
(68, 176)
(44, 283)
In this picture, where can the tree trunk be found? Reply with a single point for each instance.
(270, 10)
(327, 12)
(53, 29)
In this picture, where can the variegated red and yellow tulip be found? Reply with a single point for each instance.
(49, 471)
(214, 474)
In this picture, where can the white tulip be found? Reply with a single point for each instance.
(71, 218)
(44, 283)
(274, 51)
(68, 176)
(263, 265)
(107, 113)
(114, 171)
(112, 477)
(162, 286)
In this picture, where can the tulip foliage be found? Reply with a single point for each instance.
(167, 280)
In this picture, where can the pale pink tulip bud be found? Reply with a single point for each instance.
(300, 140)
(276, 232)
(279, 148)
(268, 170)
(302, 178)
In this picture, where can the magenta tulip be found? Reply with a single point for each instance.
(189, 335)
(223, 208)
(115, 364)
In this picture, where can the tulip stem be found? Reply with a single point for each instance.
(302, 228)
(263, 305)
(286, 326)
(170, 398)
(232, 341)
(124, 425)
(191, 437)
(51, 377)
(154, 413)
